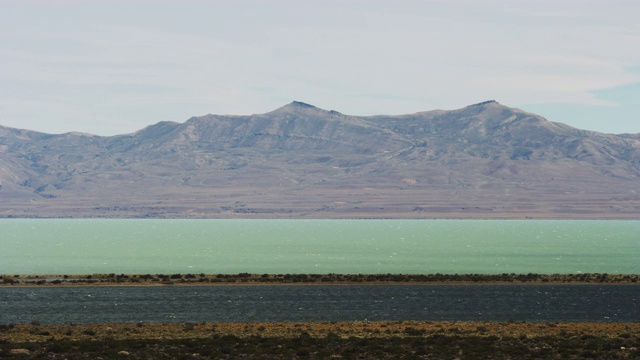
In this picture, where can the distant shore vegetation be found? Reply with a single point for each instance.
(310, 279)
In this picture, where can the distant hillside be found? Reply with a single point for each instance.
(482, 161)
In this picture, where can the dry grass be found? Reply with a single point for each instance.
(323, 340)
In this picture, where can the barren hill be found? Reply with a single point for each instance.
(482, 161)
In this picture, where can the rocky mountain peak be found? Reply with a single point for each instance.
(483, 160)
(301, 104)
(299, 108)
(486, 103)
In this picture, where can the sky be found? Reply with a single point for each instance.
(114, 67)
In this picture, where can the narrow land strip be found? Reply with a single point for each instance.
(36, 332)
(314, 279)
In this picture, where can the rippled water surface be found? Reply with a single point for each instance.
(320, 303)
(55, 246)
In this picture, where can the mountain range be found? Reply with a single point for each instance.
(482, 161)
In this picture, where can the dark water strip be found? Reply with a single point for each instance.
(321, 303)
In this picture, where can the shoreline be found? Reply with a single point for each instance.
(314, 279)
(578, 216)
(36, 332)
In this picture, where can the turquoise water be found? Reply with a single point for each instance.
(83, 246)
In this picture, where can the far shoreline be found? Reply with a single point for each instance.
(276, 216)
(247, 279)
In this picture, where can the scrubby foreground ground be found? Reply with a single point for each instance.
(322, 340)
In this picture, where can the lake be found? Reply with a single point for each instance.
(107, 304)
(89, 246)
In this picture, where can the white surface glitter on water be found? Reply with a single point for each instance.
(88, 246)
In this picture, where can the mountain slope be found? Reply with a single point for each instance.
(484, 160)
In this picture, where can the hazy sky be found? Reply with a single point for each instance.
(112, 67)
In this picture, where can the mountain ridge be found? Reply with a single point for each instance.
(484, 160)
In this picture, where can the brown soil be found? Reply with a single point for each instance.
(352, 340)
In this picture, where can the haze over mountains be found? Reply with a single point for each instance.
(482, 161)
